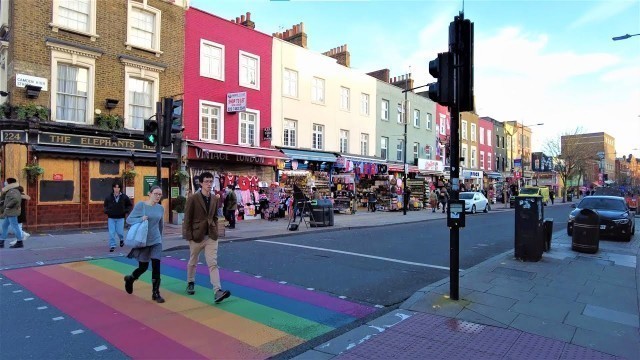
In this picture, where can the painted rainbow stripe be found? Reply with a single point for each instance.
(261, 318)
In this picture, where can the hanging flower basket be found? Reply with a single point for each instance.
(33, 171)
(181, 177)
(129, 174)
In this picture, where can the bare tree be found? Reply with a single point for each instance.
(570, 157)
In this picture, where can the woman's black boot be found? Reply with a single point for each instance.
(155, 295)
(128, 283)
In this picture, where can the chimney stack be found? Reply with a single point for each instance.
(382, 75)
(295, 35)
(245, 21)
(402, 81)
(341, 54)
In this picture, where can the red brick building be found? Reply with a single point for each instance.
(227, 100)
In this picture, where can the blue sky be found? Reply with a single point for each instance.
(550, 62)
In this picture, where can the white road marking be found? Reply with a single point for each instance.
(76, 332)
(100, 348)
(310, 289)
(39, 262)
(283, 282)
(7, 284)
(58, 318)
(258, 276)
(379, 306)
(358, 254)
(183, 259)
(17, 291)
(168, 256)
(41, 307)
(199, 262)
(342, 297)
(236, 271)
(50, 248)
(28, 299)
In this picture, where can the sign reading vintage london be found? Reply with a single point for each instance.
(211, 155)
(96, 142)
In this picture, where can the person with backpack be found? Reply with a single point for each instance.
(10, 208)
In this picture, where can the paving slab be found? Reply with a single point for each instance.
(506, 291)
(628, 305)
(492, 300)
(438, 304)
(348, 340)
(313, 355)
(604, 313)
(599, 325)
(546, 328)
(625, 346)
(469, 315)
(503, 316)
(391, 319)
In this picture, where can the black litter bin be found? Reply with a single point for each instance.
(529, 232)
(548, 230)
(322, 213)
(586, 232)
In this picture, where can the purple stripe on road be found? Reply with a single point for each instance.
(292, 292)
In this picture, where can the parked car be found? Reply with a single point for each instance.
(616, 219)
(474, 201)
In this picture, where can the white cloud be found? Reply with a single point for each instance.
(601, 12)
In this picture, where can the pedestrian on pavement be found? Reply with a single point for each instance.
(231, 204)
(10, 208)
(151, 211)
(23, 215)
(116, 205)
(552, 195)
(444, 195)
(200, 229)
(433, 201)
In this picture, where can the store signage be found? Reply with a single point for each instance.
(236, 101)
(472, 174)
(58, 177)
(147, 183)
(96, 142)
(212, 155)
(266, 133)
(517, 162)
(430, 165)
(23, 80)
(13, 136)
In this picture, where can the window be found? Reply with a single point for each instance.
(481, 135)
(78, 16)
(317, 90)
(463, 129)
(249, 70)
(482, 160)
(473, 157)
(72, 93)
(211, 121)
(416, 118)
(384, 109)
(344, 98)
(416, 150)
(211, 60)
(498, 141)
(443, 122)
(248, 124)
(489, 137)
(72, 83)
(400, 150)
(427, 152)
(142, 84)
(400, 111)
(473, 133)
(290, 83)
(289, 136)
(344, 141)
(429, 120)
(317, 142)
(464, 155)
(364, 144)
(364, 104)
(143, 27)
(384, 147)
(489, 161)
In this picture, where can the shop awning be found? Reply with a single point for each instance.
(80, 152)
(400, 168)
(365, 159)
(309, 155)
(238, 150)
(494, 175)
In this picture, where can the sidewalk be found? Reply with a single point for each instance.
(566, 306)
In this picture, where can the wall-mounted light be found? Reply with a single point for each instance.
(33, 91)
(111, 103)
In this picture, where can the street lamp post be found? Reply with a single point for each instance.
(405, 197)
(623, 37)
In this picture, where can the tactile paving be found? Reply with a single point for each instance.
(531, 346)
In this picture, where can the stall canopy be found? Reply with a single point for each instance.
(309, 155)
(494, 175)
(239, 150)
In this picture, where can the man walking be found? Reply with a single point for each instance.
(116, 205)
(231, 205)
(200, 229)
(10, 207)
(552, 195)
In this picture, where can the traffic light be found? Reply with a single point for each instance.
(150, 132)
(464, 28)
(441, 68)
(172, 120)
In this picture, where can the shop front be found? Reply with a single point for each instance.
(307, 169)
(69, 175)
(354, 180)
(472, 179)
(248, 169)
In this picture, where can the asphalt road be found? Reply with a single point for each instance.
(381, 265)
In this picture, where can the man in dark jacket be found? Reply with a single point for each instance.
(231, 205)
(10, 207)
(117, 205)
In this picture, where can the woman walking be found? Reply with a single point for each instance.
(151, 211)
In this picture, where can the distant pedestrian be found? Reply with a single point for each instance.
(444, 196)
(433, 201)
(231, 205)
(200, 229)
(10, 208)
(116, 205)
(552, 195)
(151, 211)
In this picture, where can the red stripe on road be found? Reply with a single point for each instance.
(130, 336)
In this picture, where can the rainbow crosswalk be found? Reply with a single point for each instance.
(261, 318)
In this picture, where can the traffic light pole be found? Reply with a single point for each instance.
(159, 145)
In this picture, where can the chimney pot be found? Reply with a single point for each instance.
(248, 15)
(302, 26)
(237, 20)
(242, 18)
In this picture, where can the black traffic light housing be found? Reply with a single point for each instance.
(151, 130)
(461, 42)
(172, 120)
(441, 68)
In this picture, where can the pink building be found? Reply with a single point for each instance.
(227, 100)
(443, 135)
(486, 137)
